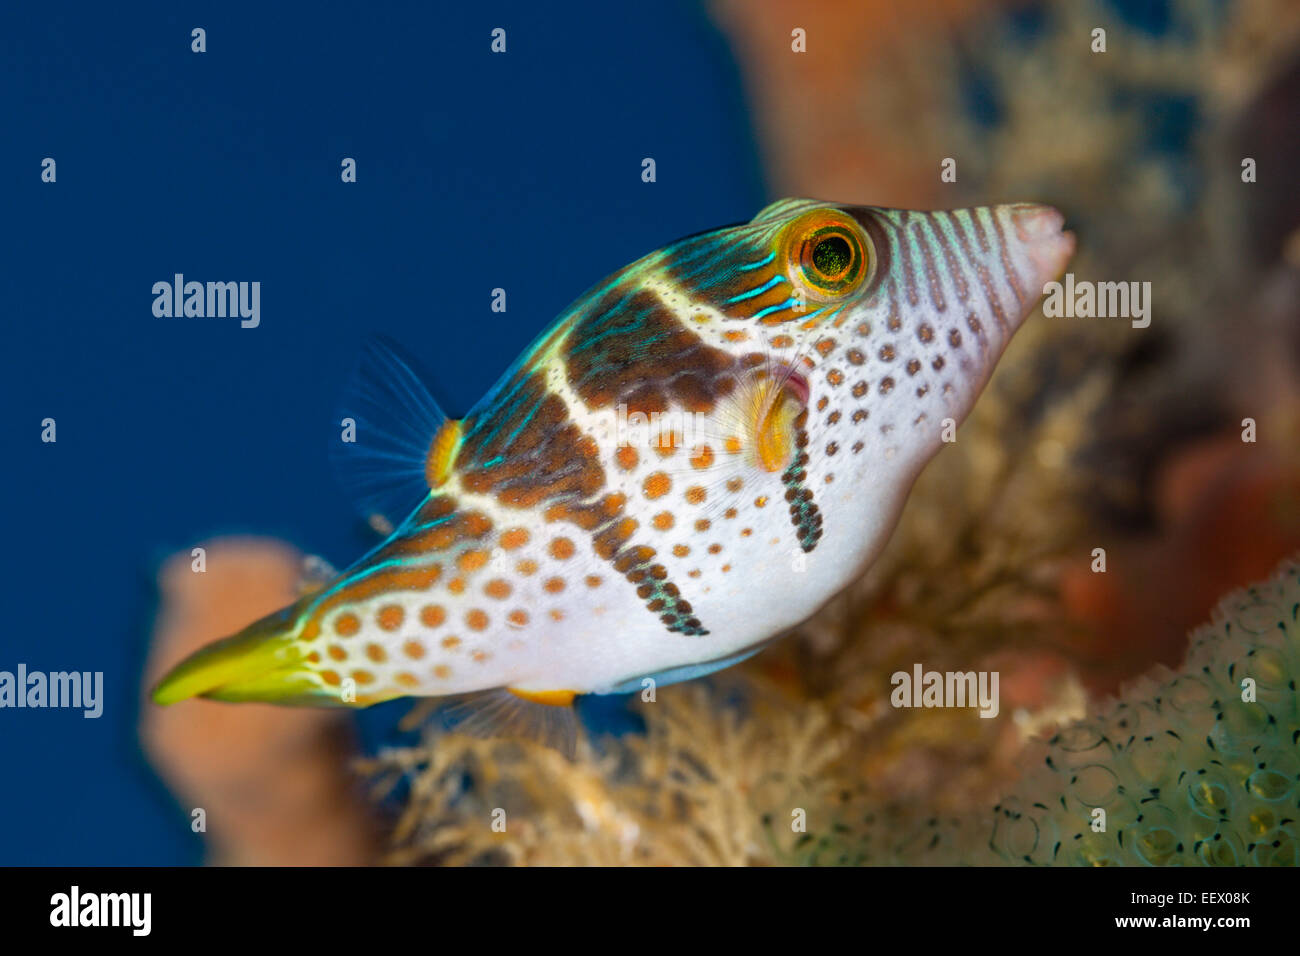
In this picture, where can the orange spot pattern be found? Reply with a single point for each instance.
(514, 538)
(656, 485)
(627, 458)
(703, 458)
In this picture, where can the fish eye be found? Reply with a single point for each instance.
(832, 256)
(829, 254)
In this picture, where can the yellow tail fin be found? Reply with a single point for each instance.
(262, 662)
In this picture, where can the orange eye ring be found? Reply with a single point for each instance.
(828, 254)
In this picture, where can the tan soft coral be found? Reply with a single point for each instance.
(272, 782)
(698, 788)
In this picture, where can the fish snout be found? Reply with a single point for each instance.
(1044, 246)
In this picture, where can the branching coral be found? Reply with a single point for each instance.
(698, 788)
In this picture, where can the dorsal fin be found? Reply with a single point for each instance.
(396, 420)
(784, 207)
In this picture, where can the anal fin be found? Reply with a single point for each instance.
(545, 717)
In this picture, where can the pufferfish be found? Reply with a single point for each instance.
(699, 453)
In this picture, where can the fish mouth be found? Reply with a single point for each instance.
(1047, 247)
